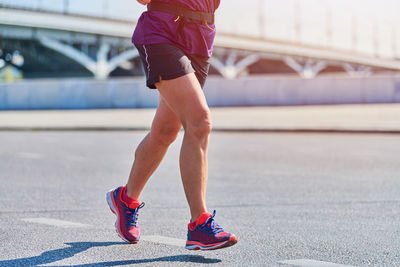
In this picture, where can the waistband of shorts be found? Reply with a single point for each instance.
(189, 15)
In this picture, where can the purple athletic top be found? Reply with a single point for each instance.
(159, 27)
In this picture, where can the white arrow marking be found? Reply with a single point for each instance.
(164, 240)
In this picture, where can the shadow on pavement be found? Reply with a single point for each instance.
(78, 247)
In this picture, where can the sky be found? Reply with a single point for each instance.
(365, 26)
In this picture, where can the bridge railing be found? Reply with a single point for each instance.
(319, 23)
(117, 9)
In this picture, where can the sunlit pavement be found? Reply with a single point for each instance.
(292, 199)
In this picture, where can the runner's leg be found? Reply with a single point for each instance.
(186, 99)
(151, 151)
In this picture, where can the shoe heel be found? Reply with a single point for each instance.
(110, 202)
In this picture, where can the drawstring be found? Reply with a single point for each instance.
(177, 18)
(205, 23)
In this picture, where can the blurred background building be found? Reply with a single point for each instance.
(300, 38)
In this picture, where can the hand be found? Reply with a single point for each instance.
(144, 2)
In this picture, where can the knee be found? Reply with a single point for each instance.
(201, 126)
(165, 134)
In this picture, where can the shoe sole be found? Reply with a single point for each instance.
(111, 204)
(230, 242)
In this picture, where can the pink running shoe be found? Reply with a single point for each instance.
(206, 234)
(126, 224)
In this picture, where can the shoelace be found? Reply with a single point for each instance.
(211, 226)
(132, 215)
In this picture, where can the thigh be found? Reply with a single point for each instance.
(165, 120)
(185, 98)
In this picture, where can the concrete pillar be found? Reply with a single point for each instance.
(232, 69)
(309, 69)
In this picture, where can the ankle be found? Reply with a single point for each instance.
(127, 197)
(130, 193)
(196, 216)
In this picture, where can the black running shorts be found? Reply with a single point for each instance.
(170, 62)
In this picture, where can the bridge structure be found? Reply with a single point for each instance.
(100, 41)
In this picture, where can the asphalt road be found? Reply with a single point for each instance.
(299, 199)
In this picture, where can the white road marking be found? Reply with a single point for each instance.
(28, 155)
(313, 263)
(164, 240)
(55, 222)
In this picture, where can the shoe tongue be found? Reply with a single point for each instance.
(203, 218)
(133, 205)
